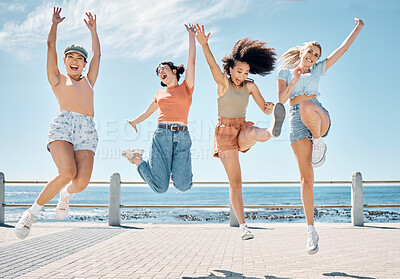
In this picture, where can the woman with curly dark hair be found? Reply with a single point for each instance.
(233, 133)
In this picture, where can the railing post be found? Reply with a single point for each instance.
(233, 221)
(357, 202)
(114, 210)
(2, 199)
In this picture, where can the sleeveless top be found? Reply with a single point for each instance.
(234, 102)
(174, 103)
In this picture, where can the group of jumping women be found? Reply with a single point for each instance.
(72, 138)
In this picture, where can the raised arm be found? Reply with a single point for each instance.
(286, 89)
(144, 115)
(53, 73)
(190, 67)
(219, 77)
(266, 107)
(95, 61)
(345, 45)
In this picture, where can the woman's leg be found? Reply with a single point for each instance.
(230, 160)
(182, 162)
(157, 171)
(317, 121)
(249, 135)
(303, 150)
(314, 118)
(64, 158)
(84, 165)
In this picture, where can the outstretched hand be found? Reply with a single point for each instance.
(133, 124)
(56, 16)
(201, 36)
(91, 22)
(191, 29)
(359, 22)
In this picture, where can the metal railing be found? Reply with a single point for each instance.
(357, 206)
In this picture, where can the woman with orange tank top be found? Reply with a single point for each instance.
(72, 138)
(170, 147)
(233, 133)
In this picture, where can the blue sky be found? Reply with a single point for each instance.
(360, 90)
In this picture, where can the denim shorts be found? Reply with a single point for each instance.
(76, 128)
(297, 128)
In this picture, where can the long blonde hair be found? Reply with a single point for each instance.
(291, 58)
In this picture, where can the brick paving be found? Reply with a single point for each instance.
(94, 250)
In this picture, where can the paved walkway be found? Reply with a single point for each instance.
(94, 250)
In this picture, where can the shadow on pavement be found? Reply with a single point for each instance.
(342, 274)
(230, 274)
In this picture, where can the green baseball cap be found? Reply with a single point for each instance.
(77, 49)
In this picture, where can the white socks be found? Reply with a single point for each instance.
(317, 141)
(243, 225)
(310, 228)
(35, 209)
(64, 193)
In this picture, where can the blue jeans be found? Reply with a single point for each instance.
(169, 154)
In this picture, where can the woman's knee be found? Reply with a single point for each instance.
(80, 184)
(235, 184)
(306, 107)
(307, 182)
(68, 173)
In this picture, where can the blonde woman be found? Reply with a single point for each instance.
(298, 80)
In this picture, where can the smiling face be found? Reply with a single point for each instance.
(310, 55)
(240, 72)
(166, 75)
(74, 63)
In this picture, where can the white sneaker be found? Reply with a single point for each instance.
(278, 116)
(131, 154)
(24, 225)
(245, 233)
(318, 153)
(312, 241)
(62, 207)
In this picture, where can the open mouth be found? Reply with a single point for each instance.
(74, 68)
(163, 76)
(309, 61)
(238, 81)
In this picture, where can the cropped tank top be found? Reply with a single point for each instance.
(234, 102)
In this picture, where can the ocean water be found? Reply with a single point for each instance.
(211, 195)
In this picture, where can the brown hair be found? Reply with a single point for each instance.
(179, 70)
(260, 58)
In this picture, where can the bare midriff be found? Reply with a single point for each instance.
(74, 95)
(301, 98)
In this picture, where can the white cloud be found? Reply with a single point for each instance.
(13, 7)
(136, 29)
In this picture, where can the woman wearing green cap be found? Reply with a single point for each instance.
(72, 139)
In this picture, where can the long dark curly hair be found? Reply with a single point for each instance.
(179, 70)
(260, 58)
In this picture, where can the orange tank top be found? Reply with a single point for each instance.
(174, 103)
